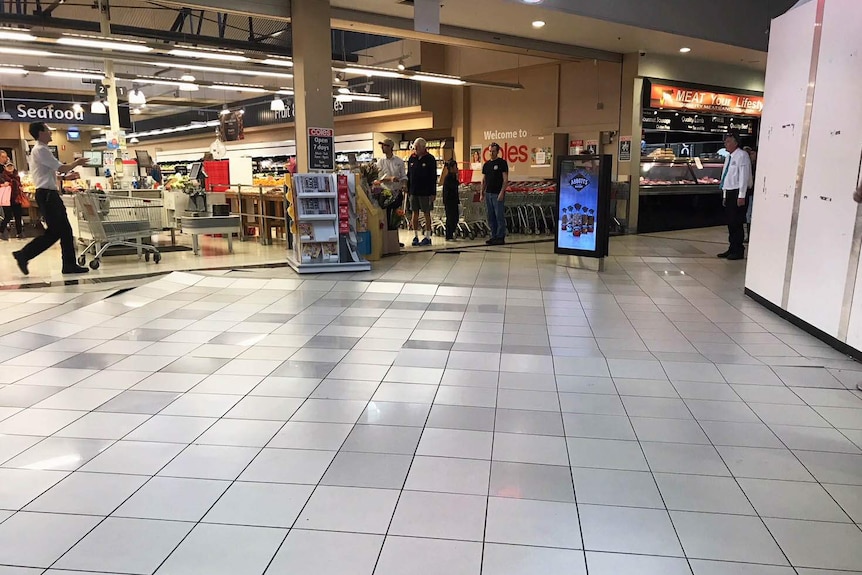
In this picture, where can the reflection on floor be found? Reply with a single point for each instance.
(485, 412)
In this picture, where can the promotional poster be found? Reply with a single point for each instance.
(583, 206)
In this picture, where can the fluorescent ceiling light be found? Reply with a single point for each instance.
(184, 86)
(18, 35)
(74, 74)
(267, 74)
(237, 88)
(224, 56)
(187, 78)
(538, 23)
(26, 52)
(349, 97)
(13, 71)
(685, 50)
(120, 46)
(285, 92)
(277, 62)
(373, 72)
(219, 70)
(438, 79)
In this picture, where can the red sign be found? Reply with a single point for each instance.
(509, 152)
(682, 98)
(321, 132)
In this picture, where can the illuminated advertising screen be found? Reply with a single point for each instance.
(583, 205)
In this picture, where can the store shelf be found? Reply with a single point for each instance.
(318, 218)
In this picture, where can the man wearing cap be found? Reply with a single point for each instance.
(393, 176)
(43, 169)
(495, 179)
(735, 177)
(422, 187)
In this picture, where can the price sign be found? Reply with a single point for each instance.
(321, 149)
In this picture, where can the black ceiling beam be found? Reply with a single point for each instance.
(159, 35)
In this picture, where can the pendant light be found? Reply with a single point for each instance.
(277, 104)
(136, 97)
(98, 107)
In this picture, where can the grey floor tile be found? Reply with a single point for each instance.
(818, 545)
(439, 516)
(530, 481)
(462, 417)
(792, 500)
(516, 559)
(530, 522)
(451, 557)
(615, 563)
(327, 553)
(628, 530)
(616, 488)
(763, 463)
(703, 493)
(378, 470)
(383, 439)
(726, 538)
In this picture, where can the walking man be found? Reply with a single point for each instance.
(734, 185)
(422, 187)
(43, 169)
(393, 177)
(495, 179)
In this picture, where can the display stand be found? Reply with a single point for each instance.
(583, 207)
(323, 223)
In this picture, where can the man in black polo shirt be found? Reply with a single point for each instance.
(495, 179)
(422, 187)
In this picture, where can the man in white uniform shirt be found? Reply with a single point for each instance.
(43, 169)
(735, 177)
(393, 176)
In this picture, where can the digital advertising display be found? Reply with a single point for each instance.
(583, 205)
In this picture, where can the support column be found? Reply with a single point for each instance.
(312, 68)
(110, 80)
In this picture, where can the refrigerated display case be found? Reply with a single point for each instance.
(679, 176)
(679, 194)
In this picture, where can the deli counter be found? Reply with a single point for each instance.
(679, 193)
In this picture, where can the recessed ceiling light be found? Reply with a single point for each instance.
(685, 50)
(538, 23)
(187, 78)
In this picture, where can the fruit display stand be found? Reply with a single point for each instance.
(323, 222)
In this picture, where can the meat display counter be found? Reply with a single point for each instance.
(679, 194)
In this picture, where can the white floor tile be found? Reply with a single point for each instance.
(616, 563)
(260, 504)
(288, 466)
(528, 522)
(327, 553)
(224, 549)
(125, 546)
(520, 560)
(726, 538)
(173, 498)
(439, 516)
(18, 487)
(134, 457)
(39, 539)
(349, 509)
(415, 556)
(210, 462)
(628, 530)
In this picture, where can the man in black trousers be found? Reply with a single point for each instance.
(734, 185)
(44, 168)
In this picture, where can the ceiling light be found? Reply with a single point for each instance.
(538, 23)
(352, 97)
(532, 1)
(137, 97)
(74, 74)
(401, 65)
(25, 52)
(224, 110)
(98, 107)
(77, 108)
(343, 90)
(224, 56)
(685, 50)
(5, 116)
(285, 92)
(185, 86)
(18, 35)
(133, 140)
(187, 78)
(14, 71)
(380, 73)
(438, 79)
(229, 88)
(277, 105)
(136, 111)
(272, 61)
(120, 46)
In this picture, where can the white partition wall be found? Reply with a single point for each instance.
(813, 227)
(788, 68)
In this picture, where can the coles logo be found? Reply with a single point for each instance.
(509, 152)
(321, 132)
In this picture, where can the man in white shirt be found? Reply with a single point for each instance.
(393, 176)
(735, 177)
(43, 169)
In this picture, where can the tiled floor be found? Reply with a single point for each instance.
(486, 412)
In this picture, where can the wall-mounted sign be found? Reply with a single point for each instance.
(592, 147)
(231, 127)
(667, 121)
(576, 147)
(686, 98)
(625, 149)
(321, 149)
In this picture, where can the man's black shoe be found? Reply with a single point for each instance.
(736, 257)
(75, 270)
(490, 241)
(22, 263)
(724, 254)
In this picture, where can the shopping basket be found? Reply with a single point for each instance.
(115, 221)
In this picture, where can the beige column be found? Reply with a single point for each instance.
(110, 80)
(630, 125)
(312, 59)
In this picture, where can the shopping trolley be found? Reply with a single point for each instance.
(116, 221)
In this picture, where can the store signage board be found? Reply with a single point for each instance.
(667, 121)
(625, 149)
(583, 206)
(576, 147)
(592, 147)
(683, 98)
(321, 149)
(52, 112)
